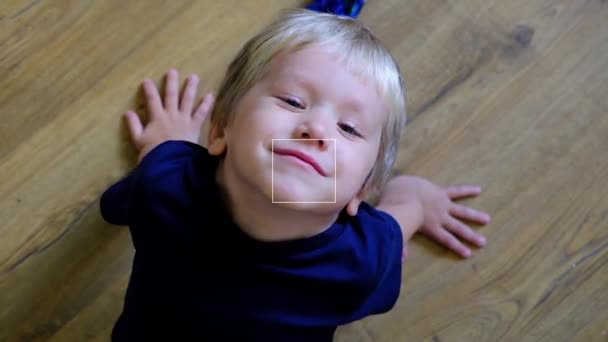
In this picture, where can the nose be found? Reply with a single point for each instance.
(314, 131)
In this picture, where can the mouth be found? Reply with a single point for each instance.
(303, 157)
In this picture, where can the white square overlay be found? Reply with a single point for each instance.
(272, 171)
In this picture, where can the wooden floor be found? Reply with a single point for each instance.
(511, 95)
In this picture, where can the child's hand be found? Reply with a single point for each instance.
(176, 120)
(441, 216)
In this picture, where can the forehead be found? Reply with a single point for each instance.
(327, 73)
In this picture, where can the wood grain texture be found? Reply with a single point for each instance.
(511, 95)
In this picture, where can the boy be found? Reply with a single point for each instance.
(265, 235)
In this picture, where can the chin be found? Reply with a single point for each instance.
(301, 195)
(314, 208)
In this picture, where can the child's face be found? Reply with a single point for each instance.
(308, 94)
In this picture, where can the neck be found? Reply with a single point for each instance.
(263, 220)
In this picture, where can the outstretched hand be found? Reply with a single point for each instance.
(443, 220)
(174, 119)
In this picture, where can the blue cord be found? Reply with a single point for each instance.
(350, 8)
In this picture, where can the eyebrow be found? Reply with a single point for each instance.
(354, 106)
(297, 78)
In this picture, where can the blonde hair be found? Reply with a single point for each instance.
(298, 28)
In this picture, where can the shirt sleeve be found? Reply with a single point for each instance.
(382, 241)
(389, 266)
(116, 201)
(165, 175)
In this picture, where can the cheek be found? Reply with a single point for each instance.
(258, 127)
(353, 166)
(248, 125)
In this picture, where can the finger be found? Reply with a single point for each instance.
(171, 91)
(450, 241)
(134, 124)
(465, 232)
(155, 106)
(189, 96)
(460, 191)
(467, 213)
(204, 108)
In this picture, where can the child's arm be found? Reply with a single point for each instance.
(175, 119)
(421, 206)
(171, 121)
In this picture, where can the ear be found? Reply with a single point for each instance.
(217, 141)
(352, 207)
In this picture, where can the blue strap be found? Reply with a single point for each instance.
(350, 8)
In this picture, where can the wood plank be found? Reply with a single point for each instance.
(531, 127)
(509, 95)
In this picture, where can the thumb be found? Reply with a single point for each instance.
(135, 126)
(204, 108)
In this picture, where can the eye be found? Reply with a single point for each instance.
(292, 102)
(349, 129)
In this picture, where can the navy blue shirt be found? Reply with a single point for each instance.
(197, 276)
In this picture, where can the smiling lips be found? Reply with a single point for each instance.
(303, 157)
